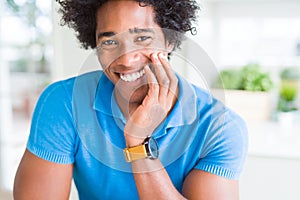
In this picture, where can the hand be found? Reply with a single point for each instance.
(161, 97)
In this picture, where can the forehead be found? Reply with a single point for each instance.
(121, 16)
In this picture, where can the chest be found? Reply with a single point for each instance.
(100, 169)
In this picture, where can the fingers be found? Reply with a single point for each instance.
(161, 96)
(170, 73)
(166, 79)
(153, 92)
(161, 75)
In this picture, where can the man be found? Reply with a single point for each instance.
(135, 130)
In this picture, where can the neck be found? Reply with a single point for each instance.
(126, 107)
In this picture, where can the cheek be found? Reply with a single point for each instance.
(112, 76)
(106, 58)
(155, 48)
(104, 61)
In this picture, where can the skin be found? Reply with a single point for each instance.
(141, 102)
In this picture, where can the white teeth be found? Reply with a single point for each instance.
(132, 77)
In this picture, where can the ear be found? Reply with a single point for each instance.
(170, 47)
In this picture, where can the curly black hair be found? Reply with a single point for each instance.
(177, 15)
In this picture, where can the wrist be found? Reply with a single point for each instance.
(147, 149)
(132, 141)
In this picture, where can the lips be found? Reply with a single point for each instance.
(132, 76)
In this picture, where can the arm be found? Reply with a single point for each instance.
(198, 185)
(154, 183)
(39, 179)
(203, 185)
(152, 180)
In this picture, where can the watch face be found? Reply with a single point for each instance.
(153, 148)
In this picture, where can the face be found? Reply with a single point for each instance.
(126, 36)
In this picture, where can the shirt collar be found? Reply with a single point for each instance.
(105, 101)
(183, 112)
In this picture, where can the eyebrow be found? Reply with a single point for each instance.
(141, 30)
(134, 30)
(106, 34)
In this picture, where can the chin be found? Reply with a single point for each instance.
(137, 99)
(137, 96)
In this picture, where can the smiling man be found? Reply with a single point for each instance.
(136, 129)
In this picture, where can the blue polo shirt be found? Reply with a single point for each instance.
(78, 121)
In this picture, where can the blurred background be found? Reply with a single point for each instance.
(254, 44)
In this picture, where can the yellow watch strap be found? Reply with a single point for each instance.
(135, 153)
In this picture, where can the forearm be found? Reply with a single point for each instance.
(152, 180)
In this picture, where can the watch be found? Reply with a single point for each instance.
(149, 149)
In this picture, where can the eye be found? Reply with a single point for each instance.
(142, 38)
(108, 44)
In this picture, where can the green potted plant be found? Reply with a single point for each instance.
(287, 107)
(250, 78)
(247, 91)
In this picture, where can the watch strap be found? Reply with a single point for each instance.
(135, 153)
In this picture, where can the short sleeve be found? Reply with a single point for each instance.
(226, 145)
(52, 134)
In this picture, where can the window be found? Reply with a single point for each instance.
(25, 55)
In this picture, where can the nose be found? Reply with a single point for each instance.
(129, 58)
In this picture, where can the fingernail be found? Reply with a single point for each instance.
(146, 67)
(155, 56)
(163, 56)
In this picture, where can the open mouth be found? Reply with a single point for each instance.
(133, 76)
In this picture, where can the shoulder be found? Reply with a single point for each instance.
(58, 96)
(225, 134)
(222, 124)
(65, 88)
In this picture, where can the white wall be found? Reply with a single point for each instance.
(267, 178)
(68, 56)
(5, 118)
(252, 42)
